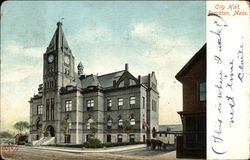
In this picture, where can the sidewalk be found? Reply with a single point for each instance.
(92, 150)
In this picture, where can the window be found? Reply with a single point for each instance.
(195, 131)
(132, 138)
(132, 102)
(109, 104)
(52, 108)
(120, 103)
(119, 138)
(66, 71)
(132, 123)
(47, 109)
(153, 105)
(109, 124)
(90, 121)
(67, 138)
(143, 102)
(132, 82)
(89, 136)
(90, 105)
(40, 109)
(202, 89)
(120, 124)
(68, 105)
(108, 138)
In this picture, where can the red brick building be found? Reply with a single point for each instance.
(193, 78)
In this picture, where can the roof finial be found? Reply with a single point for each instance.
(60, 22)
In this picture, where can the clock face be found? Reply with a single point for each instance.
(51, 58)
(66, 59)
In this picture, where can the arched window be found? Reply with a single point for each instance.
(132, 138)
(90, 121)
(119, 138)
(132, 122)
(132, 82)
(120, 124)
(109, 124)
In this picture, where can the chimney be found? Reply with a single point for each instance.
(114, 83)
(139, 79)
(126, 67)
(149, 80)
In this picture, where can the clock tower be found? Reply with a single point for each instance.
(58, 72)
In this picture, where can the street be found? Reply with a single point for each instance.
(29, 153)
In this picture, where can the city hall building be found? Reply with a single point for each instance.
(72, 107)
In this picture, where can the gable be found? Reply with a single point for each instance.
(127, 79)
(191, 63)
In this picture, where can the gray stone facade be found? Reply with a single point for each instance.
(73, 107)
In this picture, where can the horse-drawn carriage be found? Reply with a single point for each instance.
(162, 140)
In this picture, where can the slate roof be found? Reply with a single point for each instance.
(144, 79)
(106, 80)
(58, 40)
(90, 80)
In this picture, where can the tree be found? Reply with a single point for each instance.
(21, 126)
(66, 126)
(127, 127)
(93, 127)
(5, 134)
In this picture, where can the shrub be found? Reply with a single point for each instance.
(93, 143)
(21, 139)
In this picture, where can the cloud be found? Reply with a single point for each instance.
(89, 34)
(143, 29)
(152, 35)
(16, 49)
(19, 73)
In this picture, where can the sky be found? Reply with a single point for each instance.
(158, 36)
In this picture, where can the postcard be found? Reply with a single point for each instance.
(124, 80)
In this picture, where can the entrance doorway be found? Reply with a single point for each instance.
(108, 138)
(50, 131)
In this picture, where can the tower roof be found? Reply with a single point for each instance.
(80, 64)
(58, 40)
